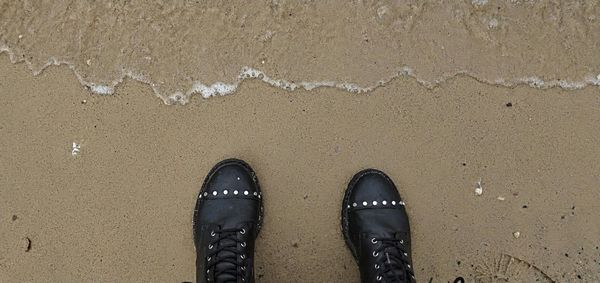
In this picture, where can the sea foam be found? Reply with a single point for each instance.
(207, 90)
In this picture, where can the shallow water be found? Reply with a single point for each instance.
(182, 48)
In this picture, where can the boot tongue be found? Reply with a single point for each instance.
(390, 258)
(225, 270)
(397, 271)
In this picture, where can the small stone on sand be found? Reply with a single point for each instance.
(517, 234)
(26, 244)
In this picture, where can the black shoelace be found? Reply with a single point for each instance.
(393, 265)
(223, 254)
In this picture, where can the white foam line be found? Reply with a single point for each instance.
(221, 88)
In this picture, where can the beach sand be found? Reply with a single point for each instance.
(444, 100)
(121, 210)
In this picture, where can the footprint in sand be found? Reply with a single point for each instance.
(507, 268)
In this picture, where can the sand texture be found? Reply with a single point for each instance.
(444, 96)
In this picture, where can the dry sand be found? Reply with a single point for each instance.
(121, 210)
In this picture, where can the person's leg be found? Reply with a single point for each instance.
(376, 228)
(227, 219)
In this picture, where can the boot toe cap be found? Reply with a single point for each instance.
(375, 188)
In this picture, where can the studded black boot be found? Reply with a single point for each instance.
(376, 229)
(227, 220)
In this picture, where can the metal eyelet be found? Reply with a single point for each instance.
(212, 233)
(243, 244)
(375, 254)
(208, 258)
(377, 266)
(243, 231)
(379, 277)
(243, 268)
(210, 247)
(401, 241)
(373, 241)
(242, 256)
(405, 254)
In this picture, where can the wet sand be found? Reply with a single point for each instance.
(185, 48)
(121, 209)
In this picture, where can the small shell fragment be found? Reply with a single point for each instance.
(501, 198)
(517, 234)
(75, 149)
(478, 191)
(478, 188)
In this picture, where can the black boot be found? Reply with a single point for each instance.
(227, 219)
(376, 229)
